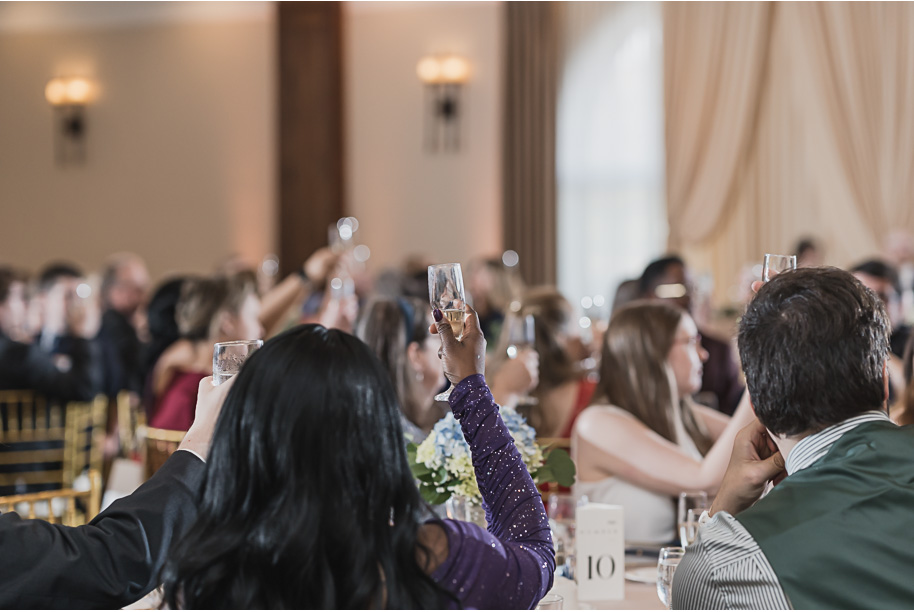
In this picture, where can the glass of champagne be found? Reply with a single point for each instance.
(667, 563)
(445, 291)
(521, 335)
(229, 356)
(775, 264)
(690, 500)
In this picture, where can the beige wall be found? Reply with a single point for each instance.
(180, 154)
(447, 206)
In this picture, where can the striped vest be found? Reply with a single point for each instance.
(840, 533)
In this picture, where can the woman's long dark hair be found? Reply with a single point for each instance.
(308, 501)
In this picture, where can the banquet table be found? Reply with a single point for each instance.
(638, 596)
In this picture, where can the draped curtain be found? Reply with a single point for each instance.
(531, 86)
(828, 150)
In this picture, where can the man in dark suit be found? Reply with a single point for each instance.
(125, 283)
(114, 560)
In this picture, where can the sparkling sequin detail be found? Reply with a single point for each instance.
(511, 565)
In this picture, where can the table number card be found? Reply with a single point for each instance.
(600, 551)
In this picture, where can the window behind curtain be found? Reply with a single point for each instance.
(610, 147)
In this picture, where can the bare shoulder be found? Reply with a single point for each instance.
(606, 425)
(433, 546)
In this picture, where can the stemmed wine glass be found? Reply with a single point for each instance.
(775, 264)
(667, 563)
(445, 291)
(521, 335)
(691, 506)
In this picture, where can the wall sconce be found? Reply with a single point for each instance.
(69, 97)
(444, 77)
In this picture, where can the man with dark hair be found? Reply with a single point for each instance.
(125, 283)
(668, 279)
(835, 532)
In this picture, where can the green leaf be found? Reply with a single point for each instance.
(431, 494)
(419, 470)
(562, 467)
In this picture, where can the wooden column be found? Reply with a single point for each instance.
(310, 127)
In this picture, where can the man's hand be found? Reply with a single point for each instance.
(755, 462)
(463, 357)
(319, 264)
(209, 404)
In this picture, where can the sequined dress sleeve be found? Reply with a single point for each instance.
(512, 564)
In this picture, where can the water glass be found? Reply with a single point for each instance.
(775, 264)
(229, 356)
(445, 292)
(667, 563)
(551, 602)
(689, 500)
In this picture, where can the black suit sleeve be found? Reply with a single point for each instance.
(109, 563)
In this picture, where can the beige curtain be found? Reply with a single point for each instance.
(863, 57)
(714, 60)
(531, 87)
(832, 151)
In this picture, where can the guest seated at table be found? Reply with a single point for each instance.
(835, 531)
(209, 310)
(645, 440)
(397, 331)
(309, 502)
(563, 389)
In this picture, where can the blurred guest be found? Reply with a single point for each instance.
(491, 287)
(163, 331)
(396, 329)
(562, 389)
(309, 501)
(55, 290)
(883, 279)
(125, 282)
(809, 253)
(209, 310)
(645, 440)
(668, 279)
(74, 371)
(627, 291)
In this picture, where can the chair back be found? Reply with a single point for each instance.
(131, 423)
(58, 506)
(44, 446)
(160, 444)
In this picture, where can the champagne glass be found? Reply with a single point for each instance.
(229, 356)
(521, 335)
(690, 500)
(445, 291)
(667, 563)
(775, 264)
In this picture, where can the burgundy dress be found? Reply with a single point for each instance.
(178, 404)
(512, 564)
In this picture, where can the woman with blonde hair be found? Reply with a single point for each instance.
(645, 440)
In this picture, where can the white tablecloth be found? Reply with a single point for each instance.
(638, 596)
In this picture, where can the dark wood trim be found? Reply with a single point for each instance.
(311, 185)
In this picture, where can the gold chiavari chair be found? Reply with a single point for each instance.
(160, 444)
(131, 424)
(45, 446)
(42, 504)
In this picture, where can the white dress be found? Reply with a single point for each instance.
(649, 517)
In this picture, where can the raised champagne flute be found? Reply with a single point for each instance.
(228, 358)
(445, 291)
(775, 264)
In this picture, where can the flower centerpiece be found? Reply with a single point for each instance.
(443, 465)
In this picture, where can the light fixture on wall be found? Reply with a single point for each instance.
(444, 77)
(69, 96)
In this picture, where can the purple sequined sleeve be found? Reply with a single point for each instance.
(512, 564)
